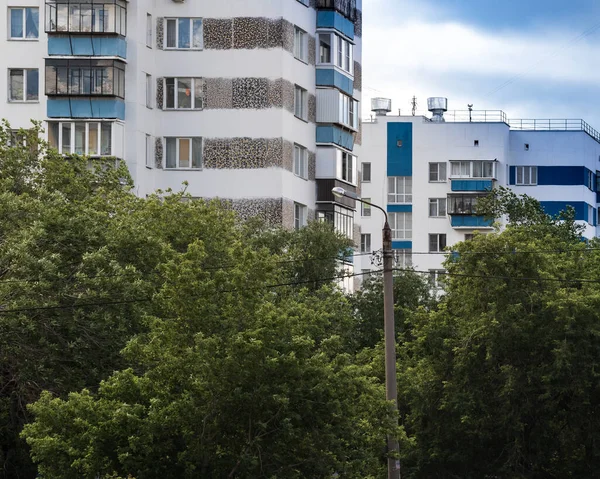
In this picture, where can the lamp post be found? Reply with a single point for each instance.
(391, 390)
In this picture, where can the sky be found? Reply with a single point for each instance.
(530, 58)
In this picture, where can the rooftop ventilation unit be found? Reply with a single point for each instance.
(437, 105)
(381, 106)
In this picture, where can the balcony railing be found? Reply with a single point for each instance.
(555, 125)
(345, 7)
(86, 17)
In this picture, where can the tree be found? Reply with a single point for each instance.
(502, 380)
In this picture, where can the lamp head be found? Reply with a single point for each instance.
(338, 192)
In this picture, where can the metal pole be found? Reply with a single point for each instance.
(391, 388)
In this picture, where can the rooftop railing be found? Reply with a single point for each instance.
(555, 125)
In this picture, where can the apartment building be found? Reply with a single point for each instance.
(429, 171)
(254, 102)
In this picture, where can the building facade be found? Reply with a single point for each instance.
(253, 102)
(429, 172)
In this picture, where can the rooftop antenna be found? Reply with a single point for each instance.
(414, 105)
(470, 107)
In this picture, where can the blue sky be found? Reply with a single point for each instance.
(530, 58)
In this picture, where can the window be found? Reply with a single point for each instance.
(469, 236)
(437, 172)
(109, 16)
(526, 175)
(184, 153)
(148, 90)
(300, 103)
(366, 172)
(400, 189)
(184, 33)
(341, 218)
(300, 44)
(23, 84)
(300, 161)
(366, 209)
(526, 146)
(437, 243)
(184, 93)
(148, 30)
(475, 142)
(149, 155)
(299, 216)
(589, 179)
(472, 169)
(403, 258)
(92, 138)
(401, 225)
(437, 207)
(24, 23)
(437, 277)
(348, 111)
(365, 243)
(591, 215)
(342, 49)
(597, 181)
(348, 167)
(85, 78)
(462, 204)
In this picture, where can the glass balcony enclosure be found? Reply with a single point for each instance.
(462, 204)
(92, 138)
(91, 16)
(345, 7)
(85, 78)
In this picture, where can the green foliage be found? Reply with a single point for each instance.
(502, 380)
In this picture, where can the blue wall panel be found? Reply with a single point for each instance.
(87, 45)
(399, 208)
(331, 19)
(399, 158)
(473, 221)
(471, 185)
(335, 135)
(556, 175)
(555, 207)
(401, 244)
(332, 77)
(86, 108)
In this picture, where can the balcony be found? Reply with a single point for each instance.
(108, 17)
(89, 78)
(472, 175)
(463, 212)
(471, 184)
(89, 138)
(345, 7)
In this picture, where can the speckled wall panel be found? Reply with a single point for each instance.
(312, 50)
(358, 24)
(216, 153)
(358, 134)
(275, 33)
(357, 76)
(158, 153)
(269, 209)
(356, 235)
(275, 93)
(251, 32)
(288, 96)
(287, 213)
(288, 155)
(274, 154)
(218, 33)
(250, 93)
(288, 36)
(160, 92)
(160, 32)
(310, 215)
(312, 165)
(219, 93)
(248, 152)
(312, 108)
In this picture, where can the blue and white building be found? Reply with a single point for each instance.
(428, 173)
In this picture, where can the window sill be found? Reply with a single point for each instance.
(149, 167)
(438, 217)
(24, 39)
(183, 49)
(33, 102)
(301, 177)
(533, 184)
(183, 109)
(300, 118)
(438, 181)
(301, 60)
(183, 169)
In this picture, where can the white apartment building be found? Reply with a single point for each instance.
(427, 172)
(255, 102)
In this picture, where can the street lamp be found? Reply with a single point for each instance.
(391, 392)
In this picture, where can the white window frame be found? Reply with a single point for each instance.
(175, 90)
(440, 167)
(149, 30)
(396, 197)
(347, 173)
(149, 152)
(177, 47)
(401, 225)
(365, 209)
(149, 90)
(436, 278)
(438, 242)
(366, 165)
(403, 258)
(590, 179)
(300, 44)
(300, 103)
(365, 242)
(437, 204)
(72, 124)
(191, 155)
(467, 168)
(341, 54)
(523, 172)
(348, 111)
(24, 37)
(24, 74)
(300, 211)
(590, 215)
(300, 161)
